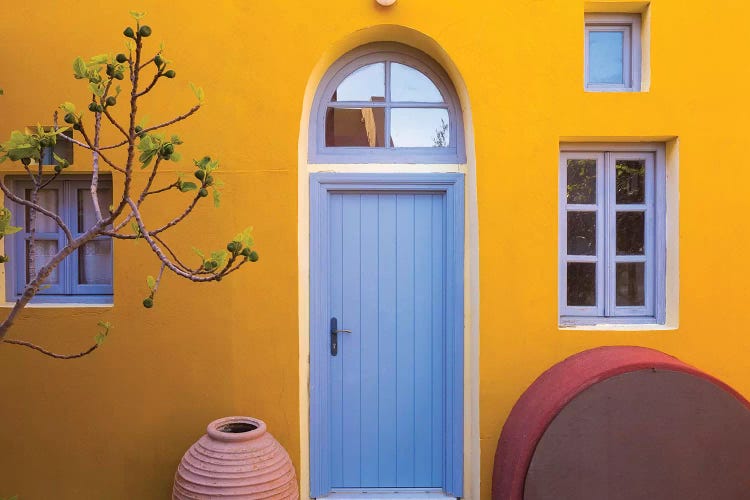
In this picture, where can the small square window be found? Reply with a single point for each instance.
(613, 52)
(85, 276)
(62, 148)
(612, 236)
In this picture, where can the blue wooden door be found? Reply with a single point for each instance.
(387, 380)
(385, 405)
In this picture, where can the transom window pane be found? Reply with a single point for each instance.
(410, 85)
(419, 128)
(365, 84)
(355, 127)
(606, 51)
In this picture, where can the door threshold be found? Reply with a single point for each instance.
(385, 494)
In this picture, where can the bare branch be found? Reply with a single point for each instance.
(114, 122)
(174, 120)
(150, 85)
(50, 353)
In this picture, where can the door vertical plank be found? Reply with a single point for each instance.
(405, 339)
(336, 298)
(423, 341)
(349, 343)
(368, 333)
(438, 330)
(387, 341)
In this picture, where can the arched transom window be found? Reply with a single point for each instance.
(386, 103)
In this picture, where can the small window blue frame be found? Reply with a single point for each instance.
(629, 25)
(386, 52)
(67, 290)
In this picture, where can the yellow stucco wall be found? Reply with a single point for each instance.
(114, 425)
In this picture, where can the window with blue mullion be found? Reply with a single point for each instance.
(85, 275)
(610, 258)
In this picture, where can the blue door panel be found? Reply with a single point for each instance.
(385, 383)
(387, 262)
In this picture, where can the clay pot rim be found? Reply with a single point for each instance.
(213, 429)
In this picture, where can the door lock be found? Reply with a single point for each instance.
(335, 336)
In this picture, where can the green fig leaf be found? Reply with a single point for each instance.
(137, 15)
(199, 94)
(188, 186)
(79, 68)
(151, 282)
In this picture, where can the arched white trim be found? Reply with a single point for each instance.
(429, 46)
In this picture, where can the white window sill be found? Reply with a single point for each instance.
(59, 305)
(645, 327)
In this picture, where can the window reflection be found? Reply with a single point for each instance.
(355, 127)
(410, 85)
(365, 84)
(419, 128)
(606, 57)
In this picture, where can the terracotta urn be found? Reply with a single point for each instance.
(237, 458)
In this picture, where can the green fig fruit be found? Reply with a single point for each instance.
(158, 61)
(119, 75)
(92, 107)
(209, 180)
(144, 31)
(170, 74)
(246, 252)
(203, 192)
(121, 58)
(253, 256)
(26, 161)
(70, 118)
(199, 174)
(111, 101)
(168, 148)
(148, 302)
(58, 169)
(129, 32)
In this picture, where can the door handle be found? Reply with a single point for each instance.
(335, 336)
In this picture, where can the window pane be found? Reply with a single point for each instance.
(411, 85)
(606, 57)
(630, 288)
(581, 233)
(95, 263)
(630, 227)
(47, 198)
(365, 84)
(582, 182)
(630, 181)
(44, 251)
(581, 284)
(355, 127)
(86, 213)
(420, 128)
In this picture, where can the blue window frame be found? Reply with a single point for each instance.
(612, 236)
(386, 103)
(83, 277)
